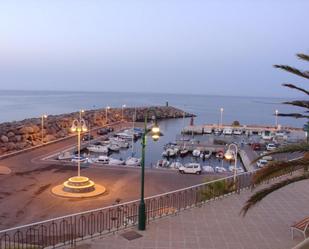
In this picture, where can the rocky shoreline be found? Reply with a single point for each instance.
(19, 135)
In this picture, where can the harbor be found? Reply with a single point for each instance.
(184, 146)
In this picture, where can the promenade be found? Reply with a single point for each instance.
(218, 225)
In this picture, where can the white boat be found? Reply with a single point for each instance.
(117, 140)
(114, 161)
(175, 165)
(207, 130)
(237, 131)
(114, 147)
(227, 131)
(208, 169)
(65, 156)
(163, 163)
(207, 154)
(82, 159)
(196, 153)
(98, 149)
(183, 152)
(217, 131)
(133, 161)
(220, 169)
(103, 159)
(125, 135)
(169, 152)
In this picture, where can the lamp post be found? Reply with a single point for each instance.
(276, 113)
(221, 116)
(81, 111)
(78, 125)
(123, 106)
(106, 109)
(229, 155)
(155, 133)
(42, 126)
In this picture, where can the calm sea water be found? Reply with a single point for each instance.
(17, 105)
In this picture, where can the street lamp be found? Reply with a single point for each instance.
(44, 116)
(106, 109)
(78, 126)
(81, 111)
(221, 116)
(232, 154)
(276, 113)
(123, 106)
(155, 134)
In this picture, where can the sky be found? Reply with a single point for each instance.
(219, 47)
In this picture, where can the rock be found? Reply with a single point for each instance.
(26, 130)
(21, 145)
(10, 146)
(49, 138)
(10, 134)
(4, 139)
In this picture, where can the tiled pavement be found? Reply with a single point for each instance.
(219, 225)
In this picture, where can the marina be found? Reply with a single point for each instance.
(186, 146)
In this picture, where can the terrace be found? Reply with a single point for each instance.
(190, 218)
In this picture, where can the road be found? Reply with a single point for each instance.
(26, 195)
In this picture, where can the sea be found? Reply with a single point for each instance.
(18, 105)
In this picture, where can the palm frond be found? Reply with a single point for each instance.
(277, 168)
(293, 115)
(292, 86)
(261, 194)
(299, 103)
(303, 57)
(290, 148)
(293, 70)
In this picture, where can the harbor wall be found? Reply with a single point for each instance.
(27, 133)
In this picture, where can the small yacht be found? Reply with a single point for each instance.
(133, 161)
(207, 154)
(196, 153)
(103, 159)
(183, 152)
(227, 131)
(217, 131)
(113, 147)
(163, 163)
(175, 165)
(169, 153)
(220, 154)
(98, 149)
(114, 161)
(82, 159)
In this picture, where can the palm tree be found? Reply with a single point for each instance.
(276, 168)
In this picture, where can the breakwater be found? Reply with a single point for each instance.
(27, 133)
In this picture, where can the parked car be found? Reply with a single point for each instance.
(256, 146)
(261, 163)
(271, 147)
(102, 131)
(87, 137)
(191, 168)
(110, 129)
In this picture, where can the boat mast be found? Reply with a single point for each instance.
(134, 118)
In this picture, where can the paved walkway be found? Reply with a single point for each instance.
(218, 225)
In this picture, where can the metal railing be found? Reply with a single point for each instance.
(69, 229)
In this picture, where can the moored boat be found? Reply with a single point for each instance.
(98, 149)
